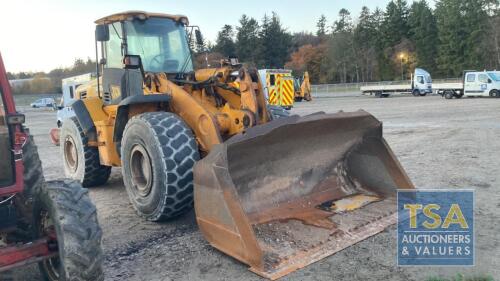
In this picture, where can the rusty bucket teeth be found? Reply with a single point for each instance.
(289, 193)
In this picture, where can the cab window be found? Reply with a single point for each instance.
(272, 79)
(483, 78)
(420, 79)
(113, 47)
(471, 77)
(6, 165)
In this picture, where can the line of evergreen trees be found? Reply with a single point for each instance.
(377, 45)
(49, 83)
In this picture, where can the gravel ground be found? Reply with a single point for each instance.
(441, 144)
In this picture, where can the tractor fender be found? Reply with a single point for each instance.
(122, 114)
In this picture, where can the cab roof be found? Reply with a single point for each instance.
(128, 15)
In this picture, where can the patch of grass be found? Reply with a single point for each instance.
(461, 277)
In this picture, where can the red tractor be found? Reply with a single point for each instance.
(53, 223)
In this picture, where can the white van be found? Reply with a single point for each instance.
(69, 86)
(474, 84)
(45, 102)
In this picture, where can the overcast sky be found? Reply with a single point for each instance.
(39, 35)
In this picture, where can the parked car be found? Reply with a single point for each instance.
(45, 102)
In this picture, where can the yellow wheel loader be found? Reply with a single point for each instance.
(275, 194)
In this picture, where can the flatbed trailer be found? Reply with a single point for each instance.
(419, 85)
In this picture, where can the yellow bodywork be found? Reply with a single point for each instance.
(280, 88)
(262, 193)
(211, 122)
(304, 92)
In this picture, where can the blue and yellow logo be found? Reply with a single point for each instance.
(436, 227)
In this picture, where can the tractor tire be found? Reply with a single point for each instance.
(158, 155)
(33, 172)
(81, 162)
(8, 275)
(64, 208)
(277, 112)
(33, 180)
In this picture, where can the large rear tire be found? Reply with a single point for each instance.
(158, 154)
(81, 162)
(64, 208)
(33, 180)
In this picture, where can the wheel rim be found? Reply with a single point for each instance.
(47, 228)
(141, 171)
(70, 153)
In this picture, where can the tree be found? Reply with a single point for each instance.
(424, 34)
(452, 35)
(475, 22)
(342, 52)
(247, 39)
(321, 25)
(303, 38)
(365, 42)
(344, 23)
(493, 10)
(275, 43)
(395, 26)
(313, 59)
(225, 43)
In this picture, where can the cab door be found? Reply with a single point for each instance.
(6, 163)
(482, 79)
(271, 88)
(472, 87)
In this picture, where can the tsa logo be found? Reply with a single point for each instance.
(436, 227)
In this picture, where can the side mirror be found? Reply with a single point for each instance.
(199, 37)
(102, 33)
(132, 62)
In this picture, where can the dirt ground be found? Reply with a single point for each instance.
(441, 144)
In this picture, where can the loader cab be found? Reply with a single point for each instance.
(133, 44)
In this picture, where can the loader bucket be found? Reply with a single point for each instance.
(296, 190)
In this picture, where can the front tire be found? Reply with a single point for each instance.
(81, 162)
(64, 208)
(495, 94)
(416, 93)
(158, 155)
